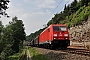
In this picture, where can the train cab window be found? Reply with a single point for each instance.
(63, 28)
(56, 28)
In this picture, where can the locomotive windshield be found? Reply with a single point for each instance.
(59, 28)
(63, 28)
(56, 28)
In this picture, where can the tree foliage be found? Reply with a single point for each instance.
(17, 27)
(12, 37)
(84, 2)
(33, 35)
(6, 43)
(1, 33)
(4, 7)
(73, 6)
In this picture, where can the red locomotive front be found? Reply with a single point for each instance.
(56, 35)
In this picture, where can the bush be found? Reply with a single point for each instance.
(16, 56)
(36, 55)
(70, 17)
(85, 17)
(68, 24)
(89, 3)
(5, 53)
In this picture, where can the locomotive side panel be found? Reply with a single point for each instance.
(44, 37)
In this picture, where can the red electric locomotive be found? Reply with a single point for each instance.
(55, 36)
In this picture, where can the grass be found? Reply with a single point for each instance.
(36, 55)
(17, 55)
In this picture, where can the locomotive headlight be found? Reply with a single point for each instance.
(55, 35)
(55, 38)
(65, 34)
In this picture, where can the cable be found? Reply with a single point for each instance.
(64, 5)
(56, 8)
(58, 5)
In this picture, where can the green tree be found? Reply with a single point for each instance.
(1, 33)
(66, 10)
(17, 27)
(73, 6)
(6, 42)
(3, 7)
(11, 38)
(32, 36)
(84, 2)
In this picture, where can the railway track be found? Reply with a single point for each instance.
(85, 52)
(68, 54)
(79, 51)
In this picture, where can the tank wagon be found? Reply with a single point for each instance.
(54, 36)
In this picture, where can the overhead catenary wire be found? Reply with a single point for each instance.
(62, 8)
(64, 5)
(58, 6)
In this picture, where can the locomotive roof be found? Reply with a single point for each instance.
(58, 25)
(54, 25)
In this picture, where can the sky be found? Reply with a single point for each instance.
(33, 13)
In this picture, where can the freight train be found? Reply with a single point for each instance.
(54, 36)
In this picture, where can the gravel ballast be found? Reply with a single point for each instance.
(60, 55)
